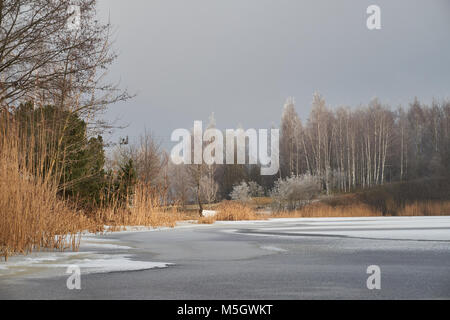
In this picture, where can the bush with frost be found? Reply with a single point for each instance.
(296, 191)
(241, 192)
(255, 189)
(244, 191)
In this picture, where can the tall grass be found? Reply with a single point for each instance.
(32, 217)
(319, 210)
(426, 208)
(232, 211)
(146, 206)
(322, 210)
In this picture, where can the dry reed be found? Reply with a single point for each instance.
(146, 207)
(320, 210)
(426, 208)
(231, 211)
(32, 217)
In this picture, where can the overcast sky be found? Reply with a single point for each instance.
(241, 59)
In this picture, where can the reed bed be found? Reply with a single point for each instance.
(232, 211)
(144, 207)
(320, 210)
(33, 214)
(426, 208)
(32, 217)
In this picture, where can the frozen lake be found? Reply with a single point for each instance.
(274, 259)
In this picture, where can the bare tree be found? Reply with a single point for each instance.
(290, 139)
(203, 175)
(320, 134)
(209, 187)
(180, 184)
(149, 159)
(44, 61)
(367, 146)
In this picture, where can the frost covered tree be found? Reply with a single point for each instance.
(241, 192)
(255, 189)
(290, 139)
(202, 175)
(296, 191)
(246, 190)
(209, 187)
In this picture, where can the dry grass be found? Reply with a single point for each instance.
(32, 217)
(207, 220)
(261, 201)
(146, 208)
(426, 208)
(235, 211)
(320, 210)
(231, 211)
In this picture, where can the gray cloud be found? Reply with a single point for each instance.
(242, 58)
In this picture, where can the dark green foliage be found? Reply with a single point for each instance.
(76, 161)
(126, 180)
(88, 170)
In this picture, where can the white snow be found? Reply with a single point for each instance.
(396, 228)
(272, 248)
(209, 213)
(101, 245)
(89, 262)
(101, 257)
(111, 263)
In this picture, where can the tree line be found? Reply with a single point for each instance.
(343, 149)
(351, 148)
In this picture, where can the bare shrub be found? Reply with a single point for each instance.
(208, 188)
